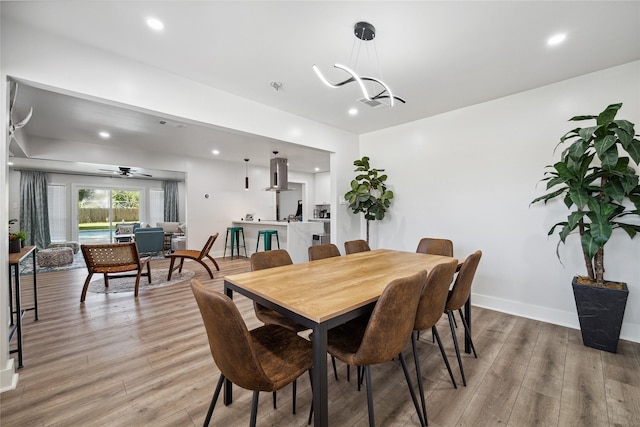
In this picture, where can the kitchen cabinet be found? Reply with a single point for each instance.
(323, 188)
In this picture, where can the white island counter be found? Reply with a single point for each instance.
(295, 237)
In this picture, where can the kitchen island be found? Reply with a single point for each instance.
(295, 237)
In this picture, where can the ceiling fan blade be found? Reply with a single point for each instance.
(13, 94)
(142, 174)
(24, 121)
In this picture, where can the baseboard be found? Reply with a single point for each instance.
(8, 377)
(629, 332)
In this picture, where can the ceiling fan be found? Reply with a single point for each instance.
(126, 172)
(13, 127)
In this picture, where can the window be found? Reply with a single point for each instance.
(156, 206)
(57, 206)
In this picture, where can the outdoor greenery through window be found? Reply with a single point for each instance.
(99, 210)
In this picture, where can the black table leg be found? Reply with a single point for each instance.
(320, 386)
(35, 285)
(228, 385)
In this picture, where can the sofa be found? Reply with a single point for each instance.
(175, 228)
(126, 228)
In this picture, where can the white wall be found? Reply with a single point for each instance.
(469, 175)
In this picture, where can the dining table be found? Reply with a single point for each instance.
(325, 293)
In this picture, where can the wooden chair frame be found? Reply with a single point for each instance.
(195, 255)
(112, 260)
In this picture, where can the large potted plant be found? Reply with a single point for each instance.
(598, 183)
(369, 193)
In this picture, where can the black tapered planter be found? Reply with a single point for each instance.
(600, 311)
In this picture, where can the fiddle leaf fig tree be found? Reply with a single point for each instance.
(598, 184)
(368, 193)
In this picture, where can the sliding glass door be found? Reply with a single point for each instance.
(100, 209)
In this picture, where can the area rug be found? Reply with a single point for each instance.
(127, 284)
(26, 266)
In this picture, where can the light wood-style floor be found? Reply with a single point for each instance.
(120, 361)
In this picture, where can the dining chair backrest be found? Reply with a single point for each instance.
(462, 286)
(327, 250)
(229, 339)
(433, 246)
(434, 295)
(392, 320)
(354, 246)
(207, 246)
(270, 259)
(111, 257)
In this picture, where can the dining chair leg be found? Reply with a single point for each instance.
(348, 373)
(455, 344)
(214, 399)
(173, 260)
(416, 359)
(468, 331)
(435, 333)
(335, 371)
(311, 383)
(423, 421)
(254, 408)
(367, 373)
(274, 399)
(360, 376)
(293, 399)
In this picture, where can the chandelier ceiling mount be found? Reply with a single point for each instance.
(365, 32)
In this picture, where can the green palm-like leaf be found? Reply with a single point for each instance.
(603, 188)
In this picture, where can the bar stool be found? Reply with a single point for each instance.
(267, 235)
(235, 241)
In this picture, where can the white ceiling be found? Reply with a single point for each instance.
(438, 56)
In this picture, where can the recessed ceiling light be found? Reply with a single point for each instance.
(155, 24)
(10, 163)
(215, 152)
(556, 39)
(104, 134)
(353, 111)
(317, 169)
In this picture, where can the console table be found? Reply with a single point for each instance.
(14, 270)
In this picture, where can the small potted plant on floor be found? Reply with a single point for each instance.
(597, 181)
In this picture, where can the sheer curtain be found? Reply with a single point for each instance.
(171, 201)
(34, 209)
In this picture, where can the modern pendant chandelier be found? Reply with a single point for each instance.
(365, 32)
(246, 174)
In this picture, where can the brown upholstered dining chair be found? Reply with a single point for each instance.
(433, 246)
(326, 250)
(195, 255)
(458, 296)
(270, 259)
(367, 341)
(354, 246)
(264, 359)
(430, 309)
(114, 260)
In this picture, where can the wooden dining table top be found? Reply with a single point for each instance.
(323, 289)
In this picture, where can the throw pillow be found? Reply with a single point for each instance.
(124, 229)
